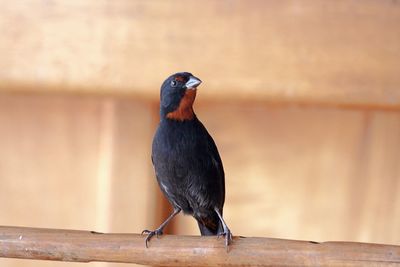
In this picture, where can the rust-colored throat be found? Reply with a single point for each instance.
(185, 108)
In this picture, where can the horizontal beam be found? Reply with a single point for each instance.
(325, 52)
(85, 246)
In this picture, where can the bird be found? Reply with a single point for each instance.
(186, 160)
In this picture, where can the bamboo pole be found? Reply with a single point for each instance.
(85, 246)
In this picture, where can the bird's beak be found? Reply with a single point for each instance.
(193, 83)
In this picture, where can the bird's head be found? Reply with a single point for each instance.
(177, 96)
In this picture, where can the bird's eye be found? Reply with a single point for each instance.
(174, 83)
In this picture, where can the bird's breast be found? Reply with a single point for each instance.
(174, 142)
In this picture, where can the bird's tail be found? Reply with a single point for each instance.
(210, 225)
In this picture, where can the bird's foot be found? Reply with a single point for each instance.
(228, 237)
(150, 234)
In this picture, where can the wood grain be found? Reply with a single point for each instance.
(84, 246)
(326, 52)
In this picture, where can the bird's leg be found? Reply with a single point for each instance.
(227, 233)
(159, 230)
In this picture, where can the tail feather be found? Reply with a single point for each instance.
(210, 226)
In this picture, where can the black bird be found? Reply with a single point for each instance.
(187, 164)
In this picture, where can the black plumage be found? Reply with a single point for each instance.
(187, 164)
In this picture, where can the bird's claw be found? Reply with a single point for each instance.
(228, 237)
(146, 232)
(150, 234)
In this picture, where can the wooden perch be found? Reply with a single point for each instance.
(85, 246)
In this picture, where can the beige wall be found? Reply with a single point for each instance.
(299, 172)
(302, 99)
(336, 52)
(309, 172)
(75, 162)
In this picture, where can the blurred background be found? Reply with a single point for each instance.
(302, 99)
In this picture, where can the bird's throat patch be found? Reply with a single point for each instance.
(185, 108)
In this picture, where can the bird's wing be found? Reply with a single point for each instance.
(217, 166)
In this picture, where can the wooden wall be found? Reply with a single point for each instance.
(77, 163)
(309, 173)
(300, 172)
(336, 52)
(302, 100)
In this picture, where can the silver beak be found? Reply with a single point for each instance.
(193, 82)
